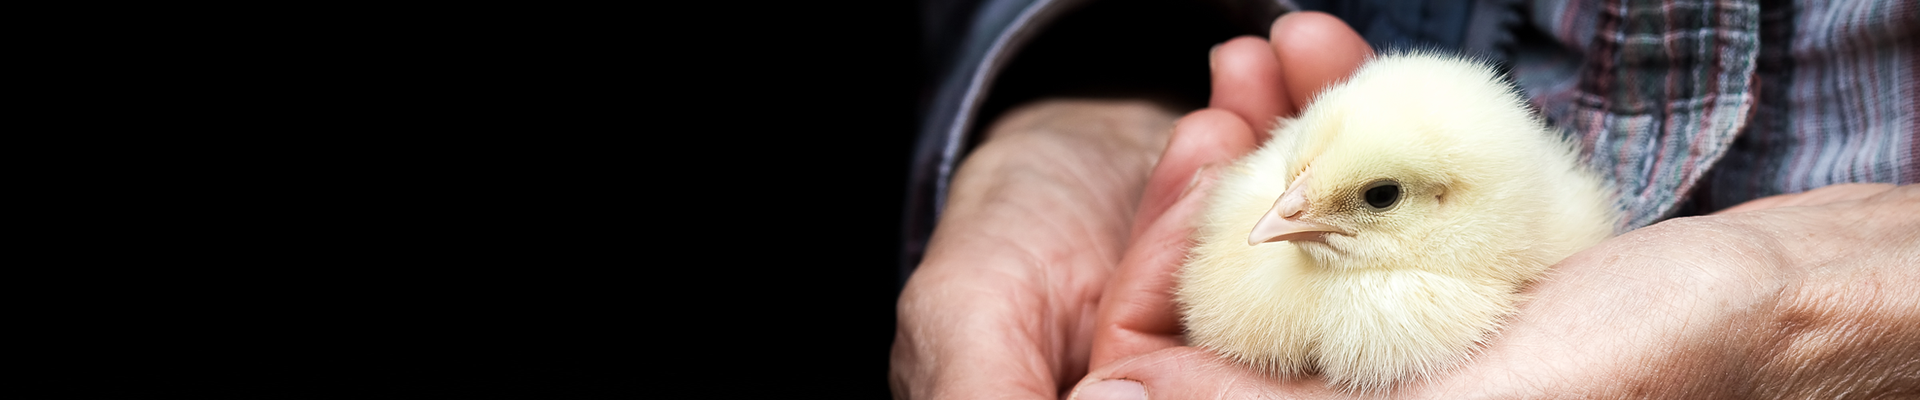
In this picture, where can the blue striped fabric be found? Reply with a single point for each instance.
(1842, 106)
(1719, 102)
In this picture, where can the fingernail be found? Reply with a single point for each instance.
(1112, 389)
(1211, 52)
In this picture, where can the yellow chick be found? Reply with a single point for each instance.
(1383, 235)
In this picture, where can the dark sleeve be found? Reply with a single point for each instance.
(984, 56)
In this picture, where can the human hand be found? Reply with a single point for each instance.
(1002, 305)
(1255, 83)
(1649, 313)
(1807, 299)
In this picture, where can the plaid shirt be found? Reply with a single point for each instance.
(1733, 100)
(1687, 106)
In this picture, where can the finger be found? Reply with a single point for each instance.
(1247, 82)
(1823, 195)
(1189, 373)
(1207, 136)
(1315, 50)
(1136, 312)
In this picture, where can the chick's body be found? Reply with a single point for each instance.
(1385, 232)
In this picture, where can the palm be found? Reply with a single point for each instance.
(1767, 304)
(1003, 305)
(1700, 307)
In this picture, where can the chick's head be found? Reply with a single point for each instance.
(1438, 170)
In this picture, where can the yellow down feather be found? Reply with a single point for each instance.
(1488, 198)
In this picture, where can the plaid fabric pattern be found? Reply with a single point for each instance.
(1839, 102)
(1733, 100)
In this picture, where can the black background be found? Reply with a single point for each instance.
(472, 202)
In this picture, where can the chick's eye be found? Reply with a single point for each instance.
(1383, 194)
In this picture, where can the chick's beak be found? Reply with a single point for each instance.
(1288, 220)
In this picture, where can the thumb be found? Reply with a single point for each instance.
(1136, 313)
(1208, 136)
(1189, 373)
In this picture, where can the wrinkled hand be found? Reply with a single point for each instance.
(1794, 296)
(1789, 302)
(1254, 84)
(1003, 305)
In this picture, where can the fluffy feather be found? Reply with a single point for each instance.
(1485, 197)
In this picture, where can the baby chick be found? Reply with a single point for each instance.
(1383, 234)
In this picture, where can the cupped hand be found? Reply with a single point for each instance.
(1812, 300)
(1255, 83)
(1002, 304)
(1793, 296)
